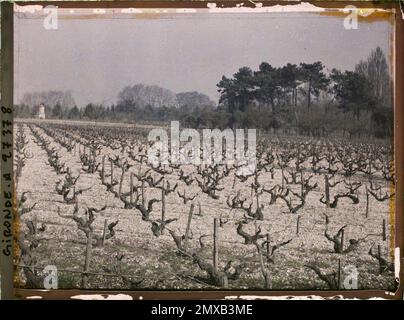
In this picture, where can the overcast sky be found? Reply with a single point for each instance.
(95, 59)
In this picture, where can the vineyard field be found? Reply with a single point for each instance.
(91, 204)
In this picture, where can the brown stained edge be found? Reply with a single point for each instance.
(202, 3)
(372, 17)
(197, 295)
(398, 152)
(6, 141)
(399, 141)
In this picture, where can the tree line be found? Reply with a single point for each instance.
(294, 99)
(306, 98)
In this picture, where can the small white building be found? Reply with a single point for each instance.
(41, 112)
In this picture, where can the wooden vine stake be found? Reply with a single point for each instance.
(121, 182)
(367, 202)
(268, 248)
(283, 178)
(342, 241)
(215, 243)
(104, 232)
(191, 210)
(199, 209)
(35, 223)
(225, 282)
(103, 170)
(265, 272)
(94, 154)
(163, 205)
(112, 174)
(131, 189)
(339, 278)
(298, 224)
(384, 230)
(301, 183)
(327, 191)
(87, 262)
(143, 199)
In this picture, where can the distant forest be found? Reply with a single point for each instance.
(293, 99)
